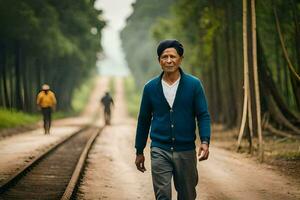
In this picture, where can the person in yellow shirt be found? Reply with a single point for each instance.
(46, 102)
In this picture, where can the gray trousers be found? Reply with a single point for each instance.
(182, 166)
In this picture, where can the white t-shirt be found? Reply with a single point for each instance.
(170, 91)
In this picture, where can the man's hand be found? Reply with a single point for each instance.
(203, 152)
(140, 162)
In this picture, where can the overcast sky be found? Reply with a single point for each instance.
(115, 13)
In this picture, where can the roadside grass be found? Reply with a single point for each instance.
(12, 118)
(133, 97)
(282, 148)
(289, 155)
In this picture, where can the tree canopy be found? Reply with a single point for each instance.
(137, 40)
(52, 42)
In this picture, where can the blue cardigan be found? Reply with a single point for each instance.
(173, 129)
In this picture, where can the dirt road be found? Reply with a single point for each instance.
(111, 173)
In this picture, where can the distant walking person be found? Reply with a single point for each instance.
(46, 102)
(107, 102)
(171, 104)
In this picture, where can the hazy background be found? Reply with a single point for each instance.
(114, 13)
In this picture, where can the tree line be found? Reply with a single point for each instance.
(53, 42)
(212, 33)
(137, 41)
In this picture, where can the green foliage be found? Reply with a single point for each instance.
(271, 45)
(195, 24)
(137, 41)
(12, 118)
(133, 96)
(46, 41)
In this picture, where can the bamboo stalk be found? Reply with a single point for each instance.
(256, 81)
(246, 75)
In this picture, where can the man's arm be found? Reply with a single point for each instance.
(112, 101)
(203, 121)
(142, 131)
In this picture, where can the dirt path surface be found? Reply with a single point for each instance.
(17, 150)
(228, 175)
(110, 172)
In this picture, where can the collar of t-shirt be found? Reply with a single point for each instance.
(170, 91)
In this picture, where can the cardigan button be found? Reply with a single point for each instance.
(172, 148)
(172, 125)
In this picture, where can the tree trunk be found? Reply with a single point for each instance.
(25, 79)
(213, 96)
(4, 79)
(278, 116)
(31, 71)
(297, 47)
(274, 91)
(251, 95)
(278, 63)
(2, 101)
(11, 77)
(229, 54)
(246, 75)
(250, 120)
(256, 81)
(19, 103)
(217, 72)
(217, 83)
(286, 84)
(295, 13)
(237, 74)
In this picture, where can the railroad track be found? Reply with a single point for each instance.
(55, 173)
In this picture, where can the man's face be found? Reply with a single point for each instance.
(170, 60)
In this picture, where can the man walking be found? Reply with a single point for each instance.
(171, 105)
(107, 102)
(46, 102)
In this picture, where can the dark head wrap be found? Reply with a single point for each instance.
(170, 44)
